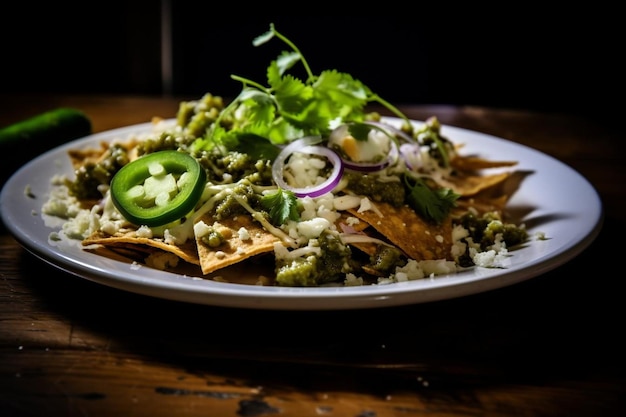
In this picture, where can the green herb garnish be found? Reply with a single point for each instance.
(432, 204)
(288, 107)
(282, 205)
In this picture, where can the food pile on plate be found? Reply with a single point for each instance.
(297, 182)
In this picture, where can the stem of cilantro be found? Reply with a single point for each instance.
(273, 32)
(246, 81)
(376, 98)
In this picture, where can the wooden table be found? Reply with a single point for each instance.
(550, 346)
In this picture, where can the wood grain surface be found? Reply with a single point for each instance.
(550, 346)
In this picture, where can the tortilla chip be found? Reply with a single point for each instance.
(187, 251)
(82, 157)
(347, 223)
(236, 248)
(468, 185)
(494, 197)
(482, 204)
(475, 163)
(419, 239)
(124, 253)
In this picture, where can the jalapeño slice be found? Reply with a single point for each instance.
(158, 188)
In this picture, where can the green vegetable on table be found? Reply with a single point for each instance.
(46, 130)
(28, 138)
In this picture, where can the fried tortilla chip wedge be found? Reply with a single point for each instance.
(496, 198)
(186, 251)
(82, 157)
(238, 246)
(495, 194)
(468, 185)
(419, 239)
(346, 225)
(482, 204)
(468, 182)
(474, 163)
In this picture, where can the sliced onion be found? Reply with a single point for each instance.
(409, 150)
(393, 130)
(412, 156)
(304, 145)
(361, 238)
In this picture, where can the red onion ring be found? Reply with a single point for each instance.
(304, 145)
(410, 152)
(393, 130)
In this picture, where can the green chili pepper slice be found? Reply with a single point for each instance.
(158, 188)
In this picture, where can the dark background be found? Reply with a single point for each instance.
(567, 61)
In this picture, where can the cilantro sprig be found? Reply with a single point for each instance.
(288, 107)
(432, 204)
(282, 205)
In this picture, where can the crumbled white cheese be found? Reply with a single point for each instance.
(61, 204)
(201, 229)
(346, 202)
(309, 208)
(487, 259)
(80, 226)
(144, 231)
(458, 246)
(352, 280)
(366, 205)
(280, 251)
(313, 228)
(353, 221)
(438, 266)
(420, 269)
(412, 270)
(496, 256)
(302, 170)
(243, 234)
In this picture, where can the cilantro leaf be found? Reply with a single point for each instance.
(265, 37)
(282, 205)
(433, 205)
(360, 131)
(342, 88)
(286, 60)
(291, 94)
(256, 146)
(258, 108)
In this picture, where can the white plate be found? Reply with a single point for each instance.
(555, 200)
